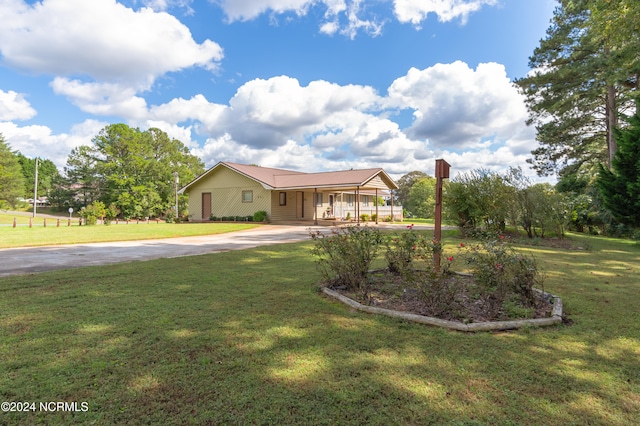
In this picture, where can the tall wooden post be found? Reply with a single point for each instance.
(442, 172)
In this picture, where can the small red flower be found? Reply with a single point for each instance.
(450, 259)
(498, 266)
(461, 244)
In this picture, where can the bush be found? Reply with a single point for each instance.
(374, 217)
(260, 216)
(411, 255)
(344, 257)
(502, 274)
(93, 212)
(364, 217)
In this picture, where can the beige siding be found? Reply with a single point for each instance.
(377, 182)
(226, 188)
(283, 213)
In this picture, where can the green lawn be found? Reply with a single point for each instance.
(23, 236)
(245, 338)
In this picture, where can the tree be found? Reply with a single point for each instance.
(81, 182)
(620, 187)
(422, 197)
(577, 89)
(479, 199)
(47, 175)
(405, 183)
(132, 169)
(11, 178)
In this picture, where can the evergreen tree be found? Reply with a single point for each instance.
(620, 187)
(47, 175)
(578, 86)
(11, 178)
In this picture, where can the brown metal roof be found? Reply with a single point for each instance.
(289, 179)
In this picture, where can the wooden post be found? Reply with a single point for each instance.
(30, 222)
(69, 222)
(58, 225)
(14, 222)
(442, 172)
(315, 206)
(376, 201)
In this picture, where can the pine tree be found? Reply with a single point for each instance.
(620, 187)
(581, 80)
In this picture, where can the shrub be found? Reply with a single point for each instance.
(364, 217)
(402, 249)
(411, 255)
(93, 212)
(344, 257)
(374, 217)
(260, 216)
(502, 274)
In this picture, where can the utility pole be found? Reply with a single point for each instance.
(175, 184)
(35, 190)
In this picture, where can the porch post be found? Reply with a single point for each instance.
(391, 206)
(315, 206)
(358, 205)
(376, 201)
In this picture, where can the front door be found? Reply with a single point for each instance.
(206, 205)
(299, 205)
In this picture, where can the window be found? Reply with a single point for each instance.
(350, 199)
(247, 196)
(365, 200)
(283, 198)
(318, 198)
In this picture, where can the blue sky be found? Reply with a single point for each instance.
(302, 84)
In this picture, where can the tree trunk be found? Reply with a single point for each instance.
(612, 122)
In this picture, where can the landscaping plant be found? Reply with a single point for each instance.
(344, 256)
(503, 276)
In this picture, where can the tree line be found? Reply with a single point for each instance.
(582, 97)
(130, 172)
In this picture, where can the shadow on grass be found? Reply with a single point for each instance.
(245, 338)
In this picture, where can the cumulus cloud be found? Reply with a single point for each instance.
(33, 141)
(13, 106)
(102, 98)
(416, 11)
(456, 106)
(349, 17)
(101, 39)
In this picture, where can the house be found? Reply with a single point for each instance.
(240, 190)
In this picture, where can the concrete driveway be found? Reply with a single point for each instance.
(39, 259)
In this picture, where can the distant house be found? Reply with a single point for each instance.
(240, 190)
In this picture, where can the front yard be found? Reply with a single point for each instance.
(245, 338)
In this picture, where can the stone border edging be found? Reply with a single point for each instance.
(556, 316)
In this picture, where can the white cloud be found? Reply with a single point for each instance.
(101, 39)
(38, 141)
(342, 16)
(458, 107)
(102, 98)
(346, 17)
(246, 10)
(13, 106)
(416, 11)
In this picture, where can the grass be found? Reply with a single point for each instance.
(245, 338)
(51, 235)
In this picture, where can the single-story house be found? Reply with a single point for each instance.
(231, 189)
